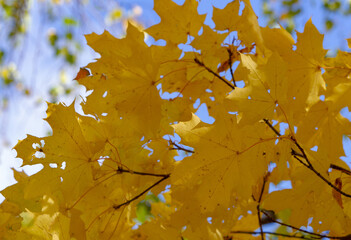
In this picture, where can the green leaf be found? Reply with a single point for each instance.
(70, 21)
(143, 211)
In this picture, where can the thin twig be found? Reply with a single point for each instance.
(298, 159)
(308, 163)
(214, 73)
(142, 193)
(121, 170)
(294, 153)
(263, 186)
(271, 127)
(340, 169)
(230, 65)
(310, 166)
(298, 229)
(260, 220)
(276, 234)
(258, 206)
(116, 207)
(178, 147)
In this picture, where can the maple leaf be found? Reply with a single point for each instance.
(245, 24)
(305, 67)
(177, 22)
(131, 81)
(264, 91)
(275, 106)
(221, 164)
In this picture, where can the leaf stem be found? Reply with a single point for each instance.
(89, 189)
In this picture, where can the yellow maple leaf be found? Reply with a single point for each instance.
(305, 77)
(245, 24)
(177, 22)
(221, 165)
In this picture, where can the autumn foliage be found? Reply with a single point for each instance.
(139, 164)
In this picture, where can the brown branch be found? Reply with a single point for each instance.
(332, 166)
(315, 235)
(230, 65)
(275, 234)
(298, 229)
(271, 127)
(121, 170)
(294, 153)
(142, 193)
(180, 148)
(309, 164)
(260, 220)
(298, 159)
(259, 203)
(198, 62)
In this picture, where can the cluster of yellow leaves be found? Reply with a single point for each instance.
(276, 105)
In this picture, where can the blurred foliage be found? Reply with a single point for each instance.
(143, 209)
(38, 27)
(42, 45)
(285, 12)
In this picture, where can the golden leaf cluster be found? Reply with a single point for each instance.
(140, 164)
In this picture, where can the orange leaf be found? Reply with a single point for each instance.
(336, 194)
(83, 72)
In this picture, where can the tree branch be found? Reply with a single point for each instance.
(260, 220)
(142, 193)
(315, 235)
(275, 234)
(258, 205)
(340, 169)
(294, 153)
(271, 127)
(298, 159)
(230, 65)
(178, 147)
(309, 164)
(121, 170)
(213, 73)
(298, 229)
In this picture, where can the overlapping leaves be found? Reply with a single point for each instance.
(276, 108)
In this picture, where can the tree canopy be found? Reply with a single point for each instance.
(138, 163)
